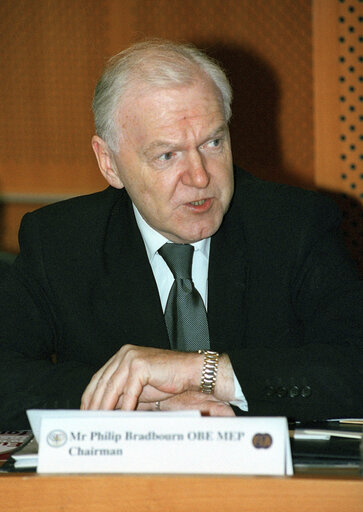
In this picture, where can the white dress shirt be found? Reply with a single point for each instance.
(164, 278)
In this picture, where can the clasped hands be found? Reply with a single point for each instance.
(137, 377)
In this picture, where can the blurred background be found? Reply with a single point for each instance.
(295, 67)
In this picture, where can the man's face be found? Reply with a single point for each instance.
(175, 159)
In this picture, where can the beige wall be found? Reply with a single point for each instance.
(338, 110)
(54, 50)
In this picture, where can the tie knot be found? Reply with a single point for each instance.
(179, 259)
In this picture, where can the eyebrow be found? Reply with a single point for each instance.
(223, 128)
(163, 144)
(157, 144)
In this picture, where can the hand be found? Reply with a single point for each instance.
(208, 405)
(141, 373)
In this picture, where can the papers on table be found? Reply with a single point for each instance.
(11, 441)
(318, 433)
(334, 445)
(348, 428)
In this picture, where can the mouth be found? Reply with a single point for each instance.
(202, 205)
(198, 203)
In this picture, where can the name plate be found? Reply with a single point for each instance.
(158, 442)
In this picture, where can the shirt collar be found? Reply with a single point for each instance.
(153, 240)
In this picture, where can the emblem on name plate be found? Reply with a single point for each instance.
(56, 438)
(262, 441)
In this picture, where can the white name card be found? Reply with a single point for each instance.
(162, 443)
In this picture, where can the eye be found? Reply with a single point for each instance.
(166, 156)
(214, 143)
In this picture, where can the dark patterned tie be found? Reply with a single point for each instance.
(185, 314)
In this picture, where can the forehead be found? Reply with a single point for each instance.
(152, 112)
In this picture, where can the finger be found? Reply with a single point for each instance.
(110, 388)
(144, 406)
(208, 405)
(153, 394)
(90, 389)
(107, 381)
(122, 387)
(132, 391)
(106, 388)
(92, 396)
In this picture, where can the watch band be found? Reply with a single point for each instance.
(209, 371)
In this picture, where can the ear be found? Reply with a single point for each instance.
(106, 162)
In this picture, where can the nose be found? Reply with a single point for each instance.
(196, 174)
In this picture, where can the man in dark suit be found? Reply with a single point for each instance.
(91, 284)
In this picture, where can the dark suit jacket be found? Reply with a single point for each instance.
(284, 302)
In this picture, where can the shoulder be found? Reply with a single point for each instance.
(80, 205)
(73, 221)
(78, 210)
(277, 206)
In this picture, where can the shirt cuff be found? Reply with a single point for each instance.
(239, 398)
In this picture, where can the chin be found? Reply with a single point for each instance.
(202, 233)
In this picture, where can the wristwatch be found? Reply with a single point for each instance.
(209, 371)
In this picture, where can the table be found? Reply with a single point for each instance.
(159, 493)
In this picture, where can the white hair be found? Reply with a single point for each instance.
(154, 63)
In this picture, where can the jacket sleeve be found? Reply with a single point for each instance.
(314, 371)
(29, 334)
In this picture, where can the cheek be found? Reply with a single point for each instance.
(161, 196)
(226, 187)
(167, 188)
(140, 182)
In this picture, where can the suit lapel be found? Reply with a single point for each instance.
(128, 284)
(227, 285)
